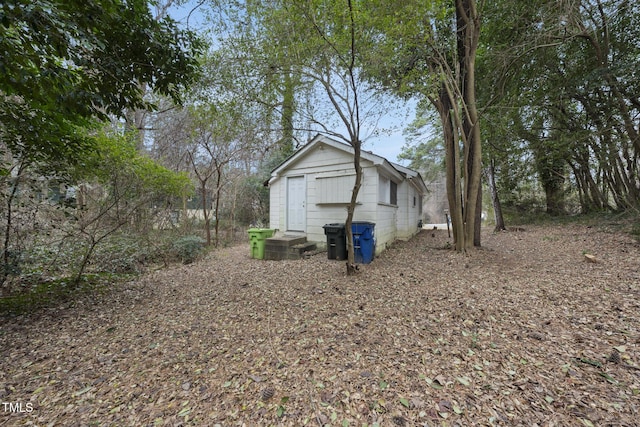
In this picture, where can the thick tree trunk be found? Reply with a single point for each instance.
(554, 194)
(445, 106)
(550, 158)
(468, 33)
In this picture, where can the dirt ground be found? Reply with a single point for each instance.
(525, 331)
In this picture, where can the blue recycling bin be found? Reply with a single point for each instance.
(364, 241)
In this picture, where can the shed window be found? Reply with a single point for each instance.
(387, 191)
(393, 197)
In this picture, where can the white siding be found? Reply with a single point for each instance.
(366, 208)
(323, 159)
(409, 213)
(403, 207)
(276, 204)
(413, 211)
(385, 226)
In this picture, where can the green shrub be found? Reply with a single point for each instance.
(188, 248)
(52, 259)
(53, 291)
(635, 231)
(120, 254)
(14, 266)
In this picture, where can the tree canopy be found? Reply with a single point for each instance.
(66, 61)
(561, 85)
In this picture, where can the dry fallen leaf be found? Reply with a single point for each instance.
(590, 258)
(524, 333)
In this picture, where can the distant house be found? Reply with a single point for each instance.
(313, 187)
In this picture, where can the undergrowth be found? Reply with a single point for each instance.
(635, 231)
(34, 295)
(626, 222)
(46, 275)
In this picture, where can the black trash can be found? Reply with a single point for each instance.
(336, 241)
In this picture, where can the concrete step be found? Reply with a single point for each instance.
(304, 247)
(287, 247)
(285, 241)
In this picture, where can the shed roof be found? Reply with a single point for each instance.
(395, 170)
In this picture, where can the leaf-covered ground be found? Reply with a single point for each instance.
(526, 331)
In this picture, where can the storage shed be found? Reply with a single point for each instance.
(313, 187)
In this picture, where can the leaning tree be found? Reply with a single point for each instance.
(427, 49)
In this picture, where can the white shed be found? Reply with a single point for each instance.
(313, 187)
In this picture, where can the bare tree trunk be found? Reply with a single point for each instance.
(477, 236)
(497, 207)
(351, 262)
(205, 211)
(185, 216)
(217, 208)
(601, 43)
(454, 180)
(6, 251)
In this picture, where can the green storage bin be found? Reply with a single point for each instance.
(257, 240)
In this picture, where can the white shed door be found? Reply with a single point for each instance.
(296, 203)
